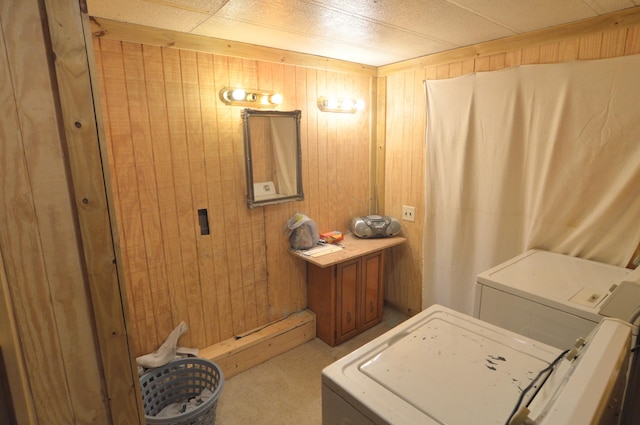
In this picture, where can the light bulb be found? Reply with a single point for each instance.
(276, 99)
(346, 104)
(238, 94)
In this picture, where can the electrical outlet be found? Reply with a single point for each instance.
(408, 213)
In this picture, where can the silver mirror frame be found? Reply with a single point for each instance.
(247, 114)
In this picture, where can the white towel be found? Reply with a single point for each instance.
(166, 352)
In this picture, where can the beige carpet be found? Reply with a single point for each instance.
(286, 389)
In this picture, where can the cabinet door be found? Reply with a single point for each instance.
(372, 287)
(347, 300)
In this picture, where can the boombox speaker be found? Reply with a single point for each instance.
(375, 226)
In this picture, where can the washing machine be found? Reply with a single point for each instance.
(444, 367)
(550, 297)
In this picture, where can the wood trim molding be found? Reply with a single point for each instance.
(612, 21)
(242, 352)
(133, 33)
(69, 45)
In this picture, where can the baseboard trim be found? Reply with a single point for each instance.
(240, 353)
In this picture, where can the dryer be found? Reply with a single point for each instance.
(553, 298)
(445, 367)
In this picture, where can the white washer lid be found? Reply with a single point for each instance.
(625, 299)
(440, 366)
(557, 280)
(585, 390)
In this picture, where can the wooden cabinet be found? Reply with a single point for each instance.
(346, 297)
(346, 289)
(360, 290)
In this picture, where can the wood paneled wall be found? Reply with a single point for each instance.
(47, 330)
(404, 176)
(175, 147)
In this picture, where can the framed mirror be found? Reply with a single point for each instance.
(273, 156)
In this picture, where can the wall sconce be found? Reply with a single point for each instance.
(340, 104)
(250, 97)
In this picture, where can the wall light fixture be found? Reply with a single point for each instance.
(340, 104)
(250, 97)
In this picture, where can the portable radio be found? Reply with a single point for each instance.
(375, 226)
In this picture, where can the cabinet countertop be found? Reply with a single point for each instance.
(353, 247)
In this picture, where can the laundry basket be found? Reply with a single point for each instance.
(180, 383)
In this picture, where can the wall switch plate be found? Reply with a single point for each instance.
(408, 213)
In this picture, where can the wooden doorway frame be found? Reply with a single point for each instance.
(70, 39)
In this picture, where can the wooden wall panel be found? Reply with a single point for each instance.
(49, 339)
(212, 322)
(166, 266)
(174, 148)
(403, 187)
(632, 45)
(405, 161)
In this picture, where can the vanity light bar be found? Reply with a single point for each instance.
(250, 97)
(340, 104)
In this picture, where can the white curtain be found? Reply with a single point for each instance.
(539, 156)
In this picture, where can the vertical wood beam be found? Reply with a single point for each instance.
(70, 43)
